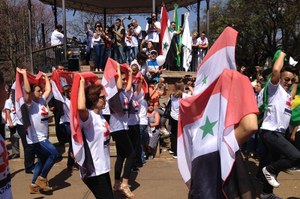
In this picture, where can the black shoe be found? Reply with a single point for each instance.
(29, 171)
(14, 156)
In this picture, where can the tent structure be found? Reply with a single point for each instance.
(119, 6)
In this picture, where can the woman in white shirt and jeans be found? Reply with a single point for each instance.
(37, 133)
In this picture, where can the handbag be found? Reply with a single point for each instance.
(167, 111)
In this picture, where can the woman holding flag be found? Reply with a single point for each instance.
(96, 134)
(119, 129)
(36, 102)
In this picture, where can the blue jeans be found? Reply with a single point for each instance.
(99, 55)
(127, 50)
(47, 155)
(284, 154)
(134, 50)
(29, 152)
(119, 54)
(144, 141)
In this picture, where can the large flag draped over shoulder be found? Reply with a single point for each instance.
(206, 138)
(21, 108)
(220, 56)
(165, 36)
(109, 77)
(77, 138)
(187, 44)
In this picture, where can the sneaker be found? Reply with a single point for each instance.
(171, 152)
(174, 156)
(43, 183)
(271, 178)
(34, 189)
(268, 196)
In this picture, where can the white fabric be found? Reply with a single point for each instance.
(119, 122)
(10, 106)
(66, 107)
(187, 44)
(97, 137)
(278, 113)
(38, 115)
(134, 118)
(174, 107)
(134, 38)
(153, 35)
(106, 110)
(57, 38)
(143, 112)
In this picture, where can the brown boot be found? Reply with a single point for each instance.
(43, 183)
(33, 189)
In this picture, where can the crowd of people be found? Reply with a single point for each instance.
(123, 43)
(135, 118)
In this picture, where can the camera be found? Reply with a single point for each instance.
(149, 20)
(130, 25)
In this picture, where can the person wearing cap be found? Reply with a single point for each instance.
(154, 72)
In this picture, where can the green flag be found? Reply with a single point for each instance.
(179, 41)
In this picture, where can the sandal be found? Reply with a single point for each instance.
(117, 186)
(126, 191)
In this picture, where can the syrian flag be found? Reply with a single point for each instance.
(80, 150)
(207, 145)
(109, 77)
(220, 56)
(20, 105)
(165, 36)
(187, 44)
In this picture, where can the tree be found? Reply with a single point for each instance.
(263, 25)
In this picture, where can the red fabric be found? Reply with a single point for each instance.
(56, 78)
(74, 116)
(137, 79)
(33, 79)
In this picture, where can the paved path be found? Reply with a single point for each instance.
(158, 179)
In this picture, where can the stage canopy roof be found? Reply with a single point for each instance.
(119, 6)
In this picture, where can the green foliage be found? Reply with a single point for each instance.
(263, 25)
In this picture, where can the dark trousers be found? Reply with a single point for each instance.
(29, 153)
(134, 135)
(174, 129)
(284, 154)
(126, 150)
(100, 186)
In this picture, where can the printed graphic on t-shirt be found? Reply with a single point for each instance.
(288, 108)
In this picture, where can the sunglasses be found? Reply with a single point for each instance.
(102, 97)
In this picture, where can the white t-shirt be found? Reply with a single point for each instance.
(119, 122)
(66, 107)
(97, 137)
(57, 38)
(135, 38)
(278, 113)
(106, 110)
(134, 118)
(174, 107)
(38, 116)
(143, 69)
(5, 190)
(10, 106)
(153, 35)
(143, 109)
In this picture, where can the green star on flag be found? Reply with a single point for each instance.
(166, 45)
(204, 80)
(207, 128)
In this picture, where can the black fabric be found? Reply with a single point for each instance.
(100, 186)
(206, 182)
(167, 111)
(171, 61)
(87, 167)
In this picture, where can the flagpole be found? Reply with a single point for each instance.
(153, 6)
(207, 18)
